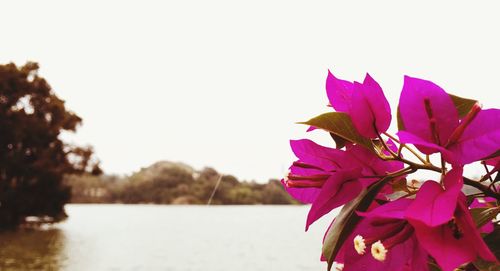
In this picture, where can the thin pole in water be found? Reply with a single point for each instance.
(215, 189)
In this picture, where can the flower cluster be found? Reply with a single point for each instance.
(388, 220)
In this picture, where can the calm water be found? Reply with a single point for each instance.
(174, 238)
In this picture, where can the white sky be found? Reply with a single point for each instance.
(221, 83)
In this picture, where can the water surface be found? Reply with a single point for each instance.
(173, 238)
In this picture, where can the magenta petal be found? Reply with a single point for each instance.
(487, 228)
(372, 165)
(311, 128)
(309, 152)
(370, 109)
(378, 103)
(453, 182)
(339, 93)
(304, 195)
(480, 139)
(395, 209)
(361, 113)
(440, 243)
(495, 162)
(420, 258)
(340, 188)
(434, 206)
(414, 114)
(427, 147)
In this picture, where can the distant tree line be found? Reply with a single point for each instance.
(174, 183)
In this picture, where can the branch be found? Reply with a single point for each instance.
(483, 188)
(408, 148)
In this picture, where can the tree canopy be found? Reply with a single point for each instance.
(33, 159)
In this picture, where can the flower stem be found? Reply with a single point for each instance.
(404, 171)
(414, 166)
(386, 147)
(482, 188)
(408, 148)
(488, 173)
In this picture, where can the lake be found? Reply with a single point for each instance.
(173, 238)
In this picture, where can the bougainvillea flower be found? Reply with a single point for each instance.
(325, 177)
(384, 240)
(314, 166)
(329, 178)
(364, 102)
(444, 226)
(428, 224)
(432, 124)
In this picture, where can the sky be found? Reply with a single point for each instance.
(223, 83)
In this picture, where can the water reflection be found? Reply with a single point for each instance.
(174, 238)
(30, 249)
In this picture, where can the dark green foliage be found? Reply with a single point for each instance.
(33, 159)
(174, 183)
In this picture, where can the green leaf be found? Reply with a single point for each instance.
(463, 105)
(341, 125)
(484, 214)
(346, 220)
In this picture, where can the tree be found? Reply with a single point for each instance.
(273, 193)
(33, 160)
